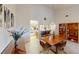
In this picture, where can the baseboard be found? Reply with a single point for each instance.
(7, 49)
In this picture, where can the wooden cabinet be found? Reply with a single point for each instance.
(71, 31)
(62, 29)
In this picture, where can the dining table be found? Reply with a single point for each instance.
(53, 41)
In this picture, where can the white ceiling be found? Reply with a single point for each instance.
(61, 6)
(56, 6)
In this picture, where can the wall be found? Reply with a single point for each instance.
(71, 48)
(25, 13)
(72, 12)
(5, 37)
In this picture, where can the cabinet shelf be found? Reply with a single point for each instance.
(70, 30)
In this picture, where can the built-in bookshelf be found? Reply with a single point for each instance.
(62, 29)
(71, 30)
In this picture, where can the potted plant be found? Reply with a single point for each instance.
(16, 34)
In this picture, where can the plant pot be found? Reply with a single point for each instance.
(15, 44)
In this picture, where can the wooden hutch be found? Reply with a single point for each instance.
(71, 30)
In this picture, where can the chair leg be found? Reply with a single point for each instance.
(56, 49)
(47, 51)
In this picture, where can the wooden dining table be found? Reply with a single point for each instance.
(54, 40)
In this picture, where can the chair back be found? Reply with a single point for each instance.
(61, 45)
(44, 44)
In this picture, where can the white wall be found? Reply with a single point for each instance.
(25, 13)
(4, 35)
(72, 12)
(71, 48)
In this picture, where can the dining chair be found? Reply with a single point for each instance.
(60, 46)
(45, 46)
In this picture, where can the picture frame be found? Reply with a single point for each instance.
(8, 18)
(12, 19)
(0, 22)
(0, 8)
(0, 15)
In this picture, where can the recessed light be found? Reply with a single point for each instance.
(66, 15)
